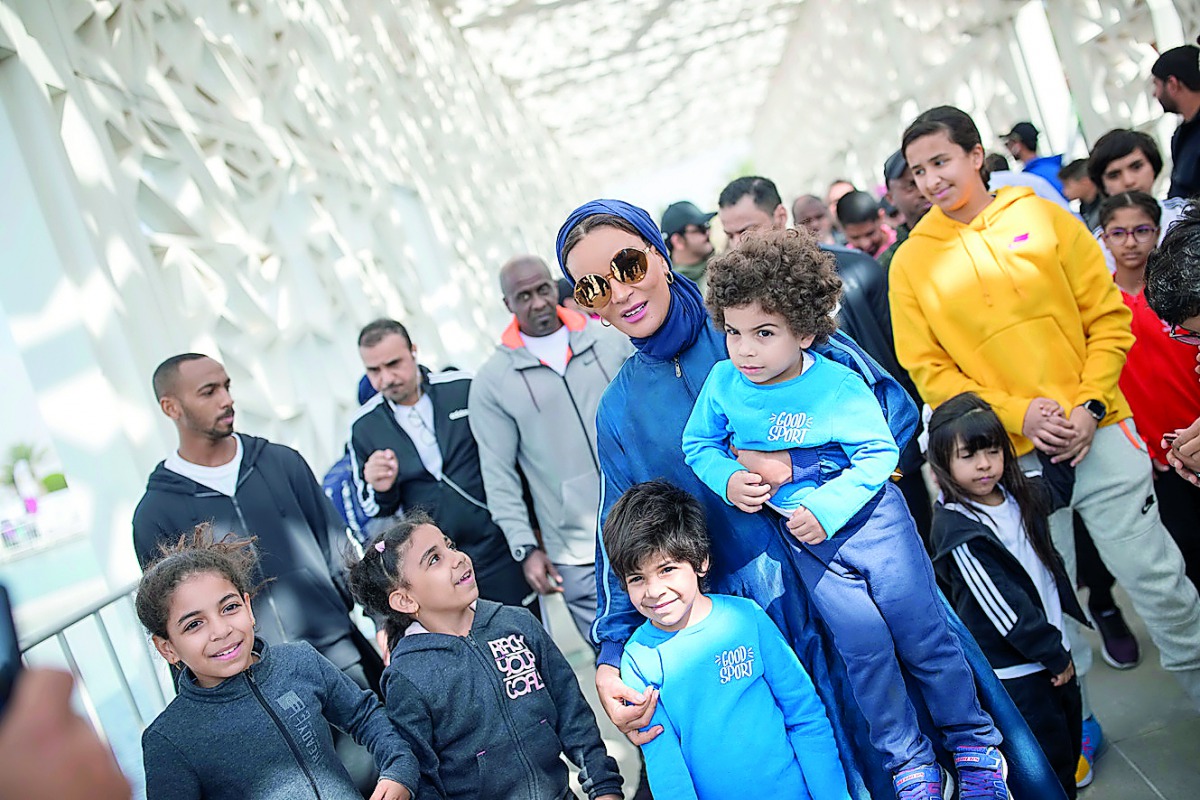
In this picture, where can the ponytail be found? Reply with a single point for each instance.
(377, 574)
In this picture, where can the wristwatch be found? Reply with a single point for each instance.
(522, 551)
(1096, 409)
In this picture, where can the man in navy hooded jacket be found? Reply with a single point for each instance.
(251, 487)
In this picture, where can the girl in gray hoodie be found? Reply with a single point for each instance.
(483, 695)
(250, 722)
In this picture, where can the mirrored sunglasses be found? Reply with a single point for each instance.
(628, 266)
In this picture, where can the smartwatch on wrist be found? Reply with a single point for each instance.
(522, 551)
(1097, 409)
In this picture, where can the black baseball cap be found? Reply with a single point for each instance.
(679, 215)
(1025, 132)
(894, 167)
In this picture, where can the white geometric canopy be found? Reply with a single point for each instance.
(812, 88)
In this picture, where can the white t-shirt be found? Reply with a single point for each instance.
(417, 421)
(552, 350)
(1005, 522)
(221, 479)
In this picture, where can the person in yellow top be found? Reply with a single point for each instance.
(1007, 296)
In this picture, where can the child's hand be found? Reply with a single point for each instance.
(610, 797)
(804, 526)
(1067, 674)
(747, 491)
(390, 790)
(775, 468)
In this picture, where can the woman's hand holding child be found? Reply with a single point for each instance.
(630, 711)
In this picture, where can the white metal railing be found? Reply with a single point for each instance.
(121, 684)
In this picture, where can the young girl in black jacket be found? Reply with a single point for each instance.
(992, 549)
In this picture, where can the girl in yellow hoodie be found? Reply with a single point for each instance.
(1007, 296)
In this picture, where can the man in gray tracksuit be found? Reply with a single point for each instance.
(533, 413)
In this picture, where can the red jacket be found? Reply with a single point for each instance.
(1159, 379)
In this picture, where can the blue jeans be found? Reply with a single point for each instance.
(874, 586)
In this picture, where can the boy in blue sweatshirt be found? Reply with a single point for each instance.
(737, 708)
(856, 546)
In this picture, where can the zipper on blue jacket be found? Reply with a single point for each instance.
(287, 737)
(512, 723)
(678, 369)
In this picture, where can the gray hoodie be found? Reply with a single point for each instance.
(490, 714)
(524, 414)
(264, 733)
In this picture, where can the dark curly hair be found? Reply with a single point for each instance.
(378, 573)
(1173, 271)
(191, 554)
(786, 273)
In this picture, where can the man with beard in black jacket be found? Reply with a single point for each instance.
(248, 486)
(753, 203)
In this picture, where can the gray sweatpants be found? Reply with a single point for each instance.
(1114, 493)
(579, 592)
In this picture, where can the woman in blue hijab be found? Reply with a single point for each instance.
(614, 254)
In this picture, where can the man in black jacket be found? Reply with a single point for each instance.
(251, 487)
(411, 447)
(753, 203)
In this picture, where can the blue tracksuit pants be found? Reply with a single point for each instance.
(874, 586)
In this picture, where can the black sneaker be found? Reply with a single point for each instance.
(1120, 649)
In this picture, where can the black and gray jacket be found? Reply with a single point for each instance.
(301, 542)
(496, 710)
(264, 734)
(995, 597)
(457, 502)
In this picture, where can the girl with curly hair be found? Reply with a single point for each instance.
(858, 551)
(251, 721)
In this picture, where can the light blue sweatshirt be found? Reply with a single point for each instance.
(827, 410)
(739, 712)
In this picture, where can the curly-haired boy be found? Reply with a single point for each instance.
(859, 554)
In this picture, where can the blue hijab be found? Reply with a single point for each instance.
(686, 316)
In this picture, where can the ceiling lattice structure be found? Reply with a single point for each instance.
(814, 88)
(629, 85)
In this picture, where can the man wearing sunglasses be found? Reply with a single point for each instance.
(411, 447)
(533, 412)
(753, 203)
(685, 230)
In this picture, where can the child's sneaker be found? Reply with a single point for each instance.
(1083, 773)
(981, 774)
(919, 783)
(1093, 738)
